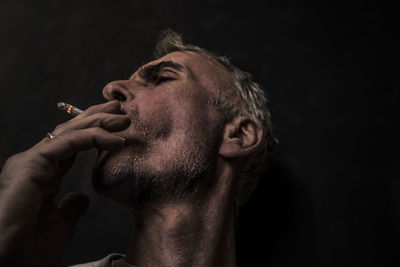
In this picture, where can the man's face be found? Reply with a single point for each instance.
(173, 139)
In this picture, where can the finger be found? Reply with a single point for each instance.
(73, 206)
(70, 142)
(108, 107)
(109, 122)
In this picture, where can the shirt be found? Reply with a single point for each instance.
(112, 260)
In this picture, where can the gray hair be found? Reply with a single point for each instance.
(249, 100)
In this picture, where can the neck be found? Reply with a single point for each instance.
(187, 233)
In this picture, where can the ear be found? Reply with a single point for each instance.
(241, 137)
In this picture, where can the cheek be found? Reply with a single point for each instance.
(155, 117)
(194, 113)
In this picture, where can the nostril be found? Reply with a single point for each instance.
(117, 90)
(118, 96)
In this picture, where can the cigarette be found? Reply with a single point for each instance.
(70, 109)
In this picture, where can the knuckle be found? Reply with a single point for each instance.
(95, 131)
(102, 119)
(108, 118)
(67, 133)
(91, 108)
(96, 119)
(60, 126)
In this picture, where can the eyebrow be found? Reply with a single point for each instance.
(154, 69)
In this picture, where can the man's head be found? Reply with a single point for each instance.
(189, 108)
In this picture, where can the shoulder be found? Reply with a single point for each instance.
(112, 260)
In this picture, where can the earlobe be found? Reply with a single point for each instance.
(241, 137)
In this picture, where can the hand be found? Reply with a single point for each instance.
(33, 230)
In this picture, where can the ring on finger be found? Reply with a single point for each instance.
(50, 135)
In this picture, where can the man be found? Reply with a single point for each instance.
(181, 144)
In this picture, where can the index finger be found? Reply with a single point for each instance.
(67, 144)
(113, 107)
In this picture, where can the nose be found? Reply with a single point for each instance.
(117, 90)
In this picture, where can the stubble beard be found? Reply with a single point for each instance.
(141, 177)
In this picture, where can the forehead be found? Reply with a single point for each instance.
(197, 67)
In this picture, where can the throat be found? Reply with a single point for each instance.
(184, 235)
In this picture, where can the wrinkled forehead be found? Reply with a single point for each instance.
(208, 72)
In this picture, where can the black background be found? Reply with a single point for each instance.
(331, 196)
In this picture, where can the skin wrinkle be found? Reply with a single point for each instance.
(165, 152)
(172, 181)
(151, 71)
(248, 99)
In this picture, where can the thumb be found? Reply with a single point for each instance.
(73, 206)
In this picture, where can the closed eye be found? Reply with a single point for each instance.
(160, 72)
(160, 79)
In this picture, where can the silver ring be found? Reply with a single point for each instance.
(50, 135)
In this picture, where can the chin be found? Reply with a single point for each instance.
(112, 173)
(137, 178)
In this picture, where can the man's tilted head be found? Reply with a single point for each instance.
(193, 114)
(181, 144)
